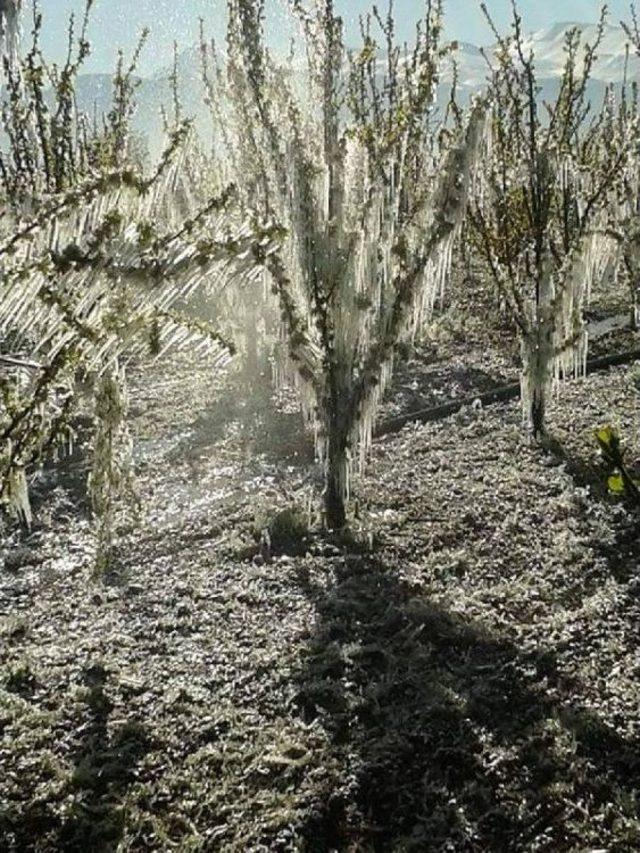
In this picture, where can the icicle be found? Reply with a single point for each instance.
(18, 495)
(10, 28)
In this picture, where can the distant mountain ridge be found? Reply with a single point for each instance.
(473, 70)
(548, 45)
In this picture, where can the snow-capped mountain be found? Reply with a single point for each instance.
(547, 46)
(471, 65)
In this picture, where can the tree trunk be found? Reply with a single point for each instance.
(538, 357)
(635, 309)
(251, 339)
(537, 413)
(336, 477)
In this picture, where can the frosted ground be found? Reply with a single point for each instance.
(459, 674)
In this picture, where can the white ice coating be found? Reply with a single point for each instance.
(557, 346)
(18, 495)
(9, 28)
(366, 282)
(88, 293)
(556, 343)
(115, 286)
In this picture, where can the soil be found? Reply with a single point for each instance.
(460, 672)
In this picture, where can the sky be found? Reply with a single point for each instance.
(117, 23)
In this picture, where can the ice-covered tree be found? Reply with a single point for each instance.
(622, 121)
(245, 300)
(95, 251)
(344, 152)
(540, 213)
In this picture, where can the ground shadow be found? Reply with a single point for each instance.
(67, 473)
(105, 763)
(105, 760)
(623, 553)
(419, 385)
(447, 734)
(585, 472)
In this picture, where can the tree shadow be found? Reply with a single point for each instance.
(622, 555)
(450, 738)
(584, 472)
(105, 765)
(425, 383)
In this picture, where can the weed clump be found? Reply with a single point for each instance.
(21, 680)
(286, 532)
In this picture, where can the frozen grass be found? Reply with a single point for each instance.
(461, 674)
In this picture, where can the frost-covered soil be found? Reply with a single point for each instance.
(461, 674)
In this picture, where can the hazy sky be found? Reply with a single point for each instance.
(117, 22)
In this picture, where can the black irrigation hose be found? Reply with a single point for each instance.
(498, 395)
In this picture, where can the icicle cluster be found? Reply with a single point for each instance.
(17, 495)
(9, 28)
(111, 476)
(542, 207)
(365, 303)
(556, 348)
